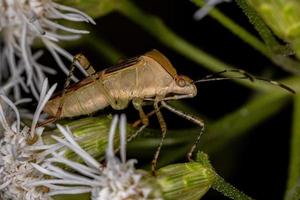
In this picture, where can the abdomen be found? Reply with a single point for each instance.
(85, 100)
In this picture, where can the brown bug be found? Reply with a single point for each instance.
(150, 77)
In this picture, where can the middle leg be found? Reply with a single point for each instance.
(163, 127)
(138, 105)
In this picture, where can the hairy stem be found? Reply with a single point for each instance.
(278, 53)
(228, 190)
(219, 183)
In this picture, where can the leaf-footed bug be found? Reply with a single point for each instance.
(149, 77)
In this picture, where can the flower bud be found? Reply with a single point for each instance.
(91, 133)
(185, 181)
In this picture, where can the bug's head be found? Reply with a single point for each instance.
(184, 85)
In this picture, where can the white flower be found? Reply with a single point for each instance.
(16, 153)
(23, 22)
(117, 180)
(209, 4)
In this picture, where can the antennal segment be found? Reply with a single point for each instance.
(277, 84)
(245, 75)
(213, 77)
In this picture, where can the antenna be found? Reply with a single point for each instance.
(245, 75)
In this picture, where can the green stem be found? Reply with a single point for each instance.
(237, 30)
(228, 190)
(294, 166)
(219, 183)
(259, 24)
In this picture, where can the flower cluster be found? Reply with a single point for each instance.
(27, 163)
(116, 180)
(31, 169)
(22, 23)
(17, 153)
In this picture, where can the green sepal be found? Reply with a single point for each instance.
(185, 181)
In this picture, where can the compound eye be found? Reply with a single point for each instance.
(181, 82)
